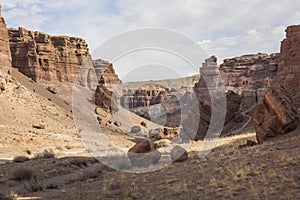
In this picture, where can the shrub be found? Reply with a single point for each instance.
(46, 154)
(20, 159)
(79, 162)
(90, 174)
(23, 174)
(35, 183)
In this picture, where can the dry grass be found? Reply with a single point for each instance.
(267, 171)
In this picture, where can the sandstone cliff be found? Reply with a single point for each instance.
(44, 57)
(145, 96)
(5, 56)
(250, 75)
(278, 112)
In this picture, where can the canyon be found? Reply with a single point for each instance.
(40, 136)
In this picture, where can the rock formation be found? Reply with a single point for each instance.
(178, 154)
(44, 57)
(105, 72)
(278, 112)
(204, 102)
(145, 96)
(106, 92)
(5, 56)
(250, 75)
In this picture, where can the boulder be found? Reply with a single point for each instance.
(143, 124)
(117, 123)
(179, 154)
(275, 116)
(143, 154)
(154, 134)
(100, 112)
(136, 129)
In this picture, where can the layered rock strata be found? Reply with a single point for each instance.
(277, 114)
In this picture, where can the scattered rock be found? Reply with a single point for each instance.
(51, 89)
(154, 134)
(3, 85)
(100, 112)
(39, 126)
(179, 154)
(249, 143)
(117, 123)
(144, 124)
(169, 132)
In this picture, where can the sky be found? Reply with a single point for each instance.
(225, 28)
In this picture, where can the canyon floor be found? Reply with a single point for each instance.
(266, 171)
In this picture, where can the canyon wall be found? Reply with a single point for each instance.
(145, 96)
(277, 114)
(44, 57)
(5, 56)
(250, 76)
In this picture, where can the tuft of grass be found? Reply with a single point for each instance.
(11, 196)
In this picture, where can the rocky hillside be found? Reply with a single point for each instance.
(277, 114)
(29, 122)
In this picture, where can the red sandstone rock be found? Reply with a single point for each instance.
(44, 57)
(5, 55)
(278, 112)
(143, 154)
(250, 75)
(204, 100)
(275, 116)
